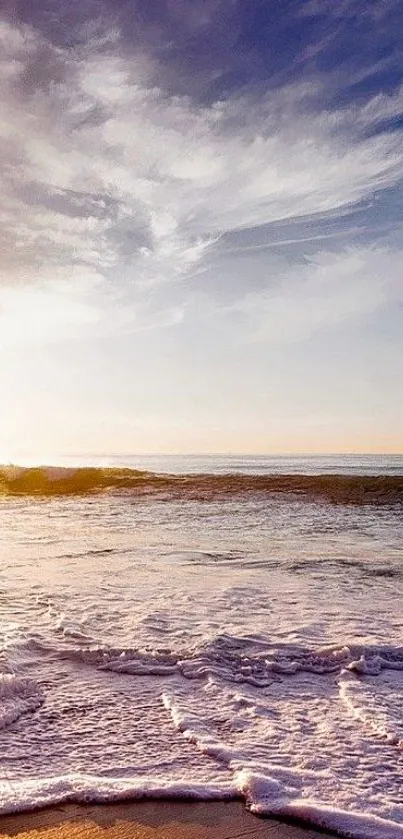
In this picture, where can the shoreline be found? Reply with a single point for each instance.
(152, 819)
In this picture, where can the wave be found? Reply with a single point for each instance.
(263, 794)
(54, 481)
(273, 790)
(239, 660)
(85, 788)
(17, 697)
(363, 568)
(253, 737)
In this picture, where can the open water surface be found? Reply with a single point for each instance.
(236, 632)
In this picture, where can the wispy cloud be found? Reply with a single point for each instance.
(323, 293)
(106, 176)
(201, 207)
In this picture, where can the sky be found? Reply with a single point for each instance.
(201, 244)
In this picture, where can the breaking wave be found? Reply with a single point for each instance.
(17, 697)
(233, 659)
(344, 489)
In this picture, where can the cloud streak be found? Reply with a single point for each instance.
(107, 178)
(326, 292)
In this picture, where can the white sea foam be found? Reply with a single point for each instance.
(377, 703)
(292, 750)
(19, 796)
(289, 748)
(241, 647)
(17, 697)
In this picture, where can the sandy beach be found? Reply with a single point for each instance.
(150, 820)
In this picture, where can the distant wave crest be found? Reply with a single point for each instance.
(51, 481)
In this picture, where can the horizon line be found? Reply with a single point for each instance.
(40, 461)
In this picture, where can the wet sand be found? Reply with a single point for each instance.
(150, 820)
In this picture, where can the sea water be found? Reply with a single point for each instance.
(217, 636)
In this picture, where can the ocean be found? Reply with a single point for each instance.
(205, 627)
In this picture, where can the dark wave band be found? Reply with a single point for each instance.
(51, 481)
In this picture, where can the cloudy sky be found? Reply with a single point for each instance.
(201, 226)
